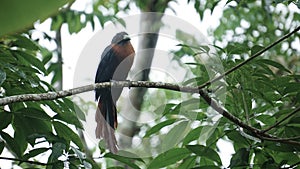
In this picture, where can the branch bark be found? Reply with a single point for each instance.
(118, 84)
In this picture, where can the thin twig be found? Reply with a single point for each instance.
(248, 60)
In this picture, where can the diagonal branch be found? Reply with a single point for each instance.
(248, 60)
(119, 84)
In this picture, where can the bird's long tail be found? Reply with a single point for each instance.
(106, 118)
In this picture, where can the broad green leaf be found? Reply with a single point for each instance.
(169, 157)
(5, 118)
(159, 126)
(205, 152)
(123, 159)
(67, 133)
(2, 76)
(240, 158)
(16, 15)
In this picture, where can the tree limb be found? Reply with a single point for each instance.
(118, 84)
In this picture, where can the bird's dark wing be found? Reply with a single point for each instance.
(105, 68)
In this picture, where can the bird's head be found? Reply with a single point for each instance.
(120, 38)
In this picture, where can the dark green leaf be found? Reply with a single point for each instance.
(255, 49)
(169, 157)
(11, 144)
(34, 113)
(25, 43)
(240, 158)
(67, 133)
(159, 126)
(57, 151)
(205, 152)
(188, 162)
(34, 152)
(2, 145)
(5, 118)
(32, 60)
(70, 118)
(237, 138)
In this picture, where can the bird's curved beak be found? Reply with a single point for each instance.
(126, 37)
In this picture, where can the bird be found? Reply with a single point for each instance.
(115, 64)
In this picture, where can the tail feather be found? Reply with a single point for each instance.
(106, 118)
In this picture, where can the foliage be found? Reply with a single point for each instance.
(264, 93)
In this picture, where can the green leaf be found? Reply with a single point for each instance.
(159, 126)
(188, 162)
(31, 60)
(240, 158)
(2, 145)
(34, 152)
(5, 118)
(192, 135)
(11, 144)
(57, 150)
(237, 138)
(66, 133)
(70, 118)
(2, 76)
(205, 152)
(236, 48)
(292, 87)
(169, 157)
(255, 49)
(22, 14)
(175, 135)
(123, 159)
(34, 113)
(24, 42)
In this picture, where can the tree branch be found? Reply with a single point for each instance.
(248, 60)
(119, 84)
